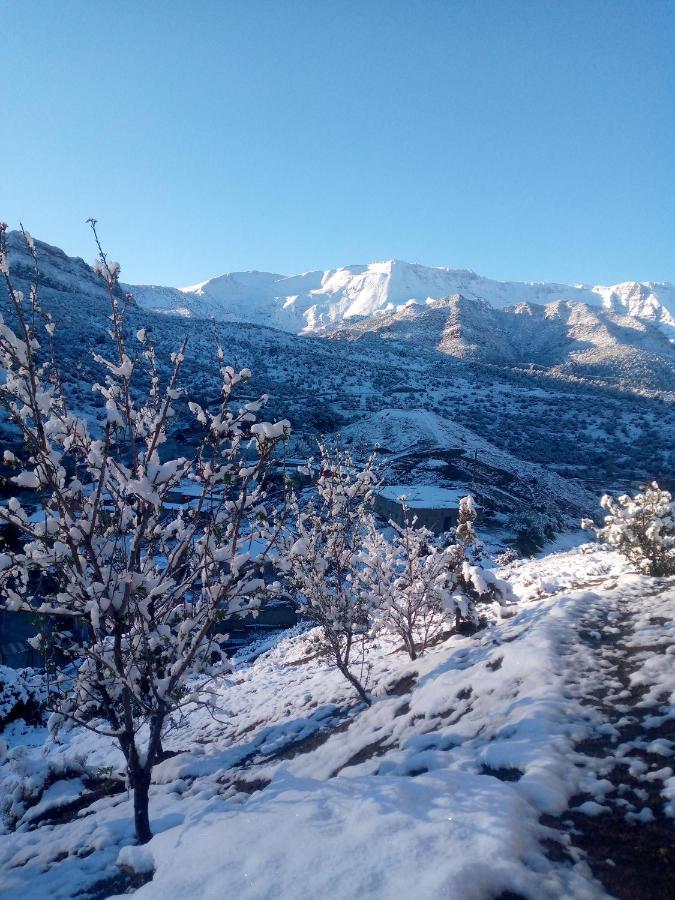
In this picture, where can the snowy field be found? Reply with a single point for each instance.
(462, 780)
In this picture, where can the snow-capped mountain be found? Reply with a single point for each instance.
(593, 338)
(312, 301)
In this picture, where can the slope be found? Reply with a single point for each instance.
(564, 337)
(461, 779)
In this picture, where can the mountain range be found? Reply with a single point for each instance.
(313, 301)
(547, 400)
(564, 337)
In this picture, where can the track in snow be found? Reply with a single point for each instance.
(622, 670)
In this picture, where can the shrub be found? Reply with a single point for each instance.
(22, 696)
(323, 556)
(418, 585)
(642, 528)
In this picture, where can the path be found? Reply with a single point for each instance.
(623, 671)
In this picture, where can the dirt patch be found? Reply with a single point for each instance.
(377, 748)
(61, 814)
(310, 742)
(402, 710)
(252, 786)
(503, 774)
(402, 686)
(633, 862)
(122, 883)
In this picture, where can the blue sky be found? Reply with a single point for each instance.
(525, 139)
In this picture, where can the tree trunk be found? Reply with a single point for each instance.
(409, 642)
(159, 751)
(354, 681)
(141, 786)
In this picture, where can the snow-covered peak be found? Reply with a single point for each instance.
(646, 300)
(312, 301)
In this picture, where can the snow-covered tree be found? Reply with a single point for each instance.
(642, 528)
(412, 581)
(323, 557)
(478, 583)
(146, 579)
(419, 585)
(465, 530)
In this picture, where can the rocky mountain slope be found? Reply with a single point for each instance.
(565, 337)
(560, 421)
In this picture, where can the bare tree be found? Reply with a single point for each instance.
(108, 549)
(323, 556)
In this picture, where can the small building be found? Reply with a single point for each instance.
(436, 508)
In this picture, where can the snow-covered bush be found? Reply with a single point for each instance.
(465, 530)
(109, 548)
(323, 558)
(642, 528)
(419, 585)
(22, 696)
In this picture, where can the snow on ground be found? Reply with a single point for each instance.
(426, 496)
(295, 790)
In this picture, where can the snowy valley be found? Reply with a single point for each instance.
(337, 450)
(546, 406)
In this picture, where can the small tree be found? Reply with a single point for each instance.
(465, 530)
(412, 581)
(323, 557)
(109, 550)
(479, 585)
(642, 528)
(418, 584)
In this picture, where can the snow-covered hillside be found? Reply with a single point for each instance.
(314, 300)
(564, 337)
(399, 434)
(534, 758)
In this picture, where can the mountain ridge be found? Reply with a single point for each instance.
(314, 300)
(602, 428)
(564, 337)
(310, 302)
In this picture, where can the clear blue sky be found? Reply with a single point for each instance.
(522, 138)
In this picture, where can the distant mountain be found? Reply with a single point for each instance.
(564, 337)
(313, 301)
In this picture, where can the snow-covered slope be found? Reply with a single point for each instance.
(479, 771)
(314, 300)
(400, 433)
(581, 428)
(565, 336)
